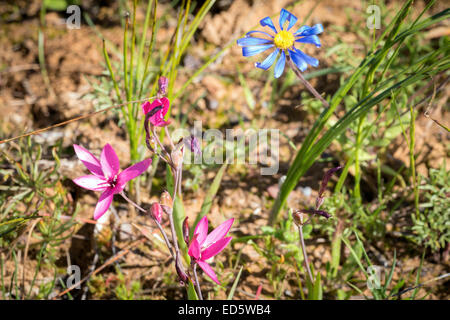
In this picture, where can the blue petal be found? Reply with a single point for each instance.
(309, 60)
(310, 39)
(250, 41)
(286, 15)
(279, 67)
(257, 31)
(268, 22)
(308, 31)
(251, 51)
(268, 61)
(301, 30)
(298, 60)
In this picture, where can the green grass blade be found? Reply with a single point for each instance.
(235, 283)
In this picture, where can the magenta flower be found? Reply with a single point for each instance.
(105, 175)
(204, 246)
(158, 110)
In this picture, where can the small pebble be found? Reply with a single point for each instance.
(125, 231)
(306, 191)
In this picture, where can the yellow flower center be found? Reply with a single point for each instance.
(284, 39)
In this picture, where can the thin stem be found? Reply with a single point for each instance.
(132, 202)
(168, 136)
(305, 256)
(172, 224)
(160, 143)
(306, 83)
(166, 239)
(179, 181)
(197, 284)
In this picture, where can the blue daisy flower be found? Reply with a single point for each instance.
(283, 41)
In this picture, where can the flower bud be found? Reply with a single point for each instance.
(323, 185)
(177, 157)
(156, 211)
(193, 144)
(319, 202)
(163, 83)
(299, 218)
(186, 231)
(151, 143)
(182, 276)
(166, 199)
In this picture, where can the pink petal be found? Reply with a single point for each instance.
(201, 230)
(132, 172)
(89, 160)
(91, 182)
(218, 233)
(208, 270)
(215, 248)
(157, 119)
(103, 203)
(160, 123)
(194, 248)
(166, 104)
(146, 107)
(109, 161)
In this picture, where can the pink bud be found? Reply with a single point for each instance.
(182, 276)
(156, 211)
(163, 83)
(193, 144)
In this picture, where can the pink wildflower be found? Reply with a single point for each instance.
(158, 110)
(204, 246)
(106, 176)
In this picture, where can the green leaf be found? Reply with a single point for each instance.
(192, 294)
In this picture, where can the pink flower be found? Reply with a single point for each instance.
(158, 110)
(106, 176)
(204, 246)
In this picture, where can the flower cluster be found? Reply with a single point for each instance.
(106, 177)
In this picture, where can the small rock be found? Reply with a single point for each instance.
(212, 104)
(125, 231)
(306, 191)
